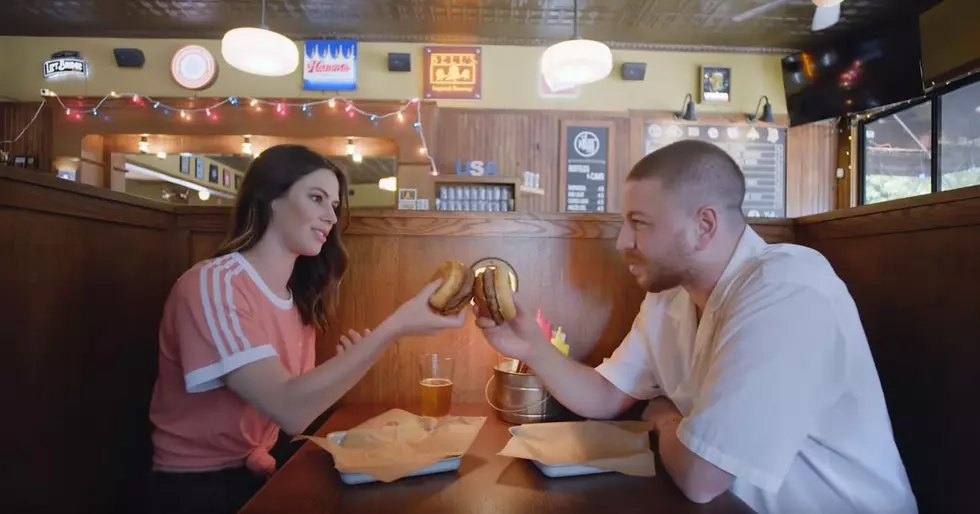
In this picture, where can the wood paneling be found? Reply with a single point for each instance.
(811, 167)
(913, 269)
(521, 141)
(85, 276)
(530, 140)
(35, 140)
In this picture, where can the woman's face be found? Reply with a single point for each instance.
(304, 216)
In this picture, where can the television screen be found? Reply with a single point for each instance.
(950, 46)
(868, 69)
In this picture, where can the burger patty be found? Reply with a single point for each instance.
(464, 293)
(490, 293)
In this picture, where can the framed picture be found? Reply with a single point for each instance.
(185, 164)
(213, 173)
(199, 168)
(716, 84)
(238, 182)
(225, 177)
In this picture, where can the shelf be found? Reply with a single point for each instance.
(469, 179)
(532, 190)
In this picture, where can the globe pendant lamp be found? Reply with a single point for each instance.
(260, 51)
(576, 61)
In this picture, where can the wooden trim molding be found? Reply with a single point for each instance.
(947, 209)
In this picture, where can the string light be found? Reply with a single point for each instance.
(282, 107)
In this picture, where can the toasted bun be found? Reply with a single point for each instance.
(456, 288)
(491, 293)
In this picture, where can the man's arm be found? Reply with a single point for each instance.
(699, 480)
(578, 387)
(293, 403)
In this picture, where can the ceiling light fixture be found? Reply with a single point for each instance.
(260, 51)
(350, 148)
(388, 184)
(826, 14)
(576, 61)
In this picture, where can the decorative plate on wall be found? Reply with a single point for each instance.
(193, 67)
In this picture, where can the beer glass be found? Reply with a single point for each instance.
(436, 382)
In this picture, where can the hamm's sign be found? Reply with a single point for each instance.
(330, 65)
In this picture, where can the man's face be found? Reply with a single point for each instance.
(657, 237)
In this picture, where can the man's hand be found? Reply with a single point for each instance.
(520, 338)
(661, 413)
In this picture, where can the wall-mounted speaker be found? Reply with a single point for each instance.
(399, 61)
(129, 57)
(634, 70)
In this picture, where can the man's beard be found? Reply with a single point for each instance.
(667, 272)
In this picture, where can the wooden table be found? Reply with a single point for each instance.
(485, 483)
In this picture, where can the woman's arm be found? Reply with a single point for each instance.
(294, 403)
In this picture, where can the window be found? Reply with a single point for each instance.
(897, 154)
(959, 146)
(921, 148)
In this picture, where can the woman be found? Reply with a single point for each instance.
(238, 331)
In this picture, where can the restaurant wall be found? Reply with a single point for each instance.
(510, 76)
(511, 124)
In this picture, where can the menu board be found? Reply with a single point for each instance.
(759, 151)
(586, 167)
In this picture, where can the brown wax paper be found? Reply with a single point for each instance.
(399, 443)
(622, 446)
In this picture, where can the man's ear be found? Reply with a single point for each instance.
(707, 226)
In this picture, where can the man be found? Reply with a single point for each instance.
(752, 355)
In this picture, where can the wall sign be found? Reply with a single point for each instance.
(330, 65)
(193, 67)
(476, 168)
(452, 72)
(585, 157)
(65, 64)
(759, 151)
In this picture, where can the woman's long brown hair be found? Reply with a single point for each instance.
(315, 280)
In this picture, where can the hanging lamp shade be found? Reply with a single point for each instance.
(260, 51)
(826, 14)
(575, 62)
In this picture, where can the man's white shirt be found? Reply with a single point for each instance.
(776, 384)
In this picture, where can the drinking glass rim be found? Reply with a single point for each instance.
(439, 356)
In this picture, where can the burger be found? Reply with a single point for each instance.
(491, 293)
(456, 289)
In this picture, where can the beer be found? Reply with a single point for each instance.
(437, 396)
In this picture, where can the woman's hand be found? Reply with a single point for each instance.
(346, 343)
(415, 317)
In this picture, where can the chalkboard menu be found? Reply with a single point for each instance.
(586, 168)
(759, 151)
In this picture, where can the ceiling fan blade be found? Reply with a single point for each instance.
(755, 11)
(825, 17)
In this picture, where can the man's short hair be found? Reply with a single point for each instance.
(701, 171)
